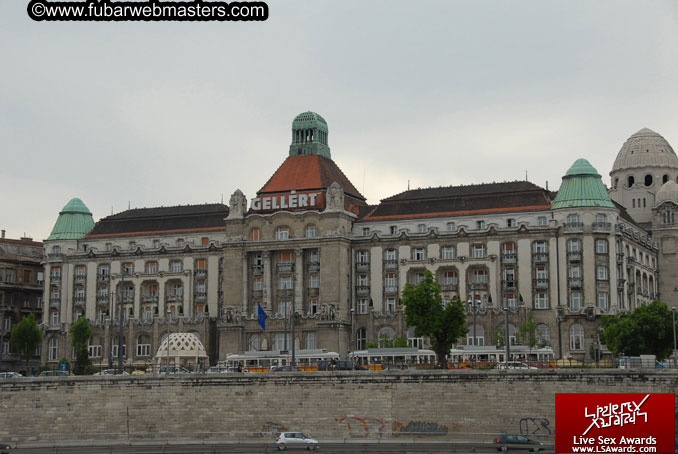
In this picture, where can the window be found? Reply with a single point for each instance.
(53, 349)
(541, 273)
(255, 234)
(7, 324)
(542, 221)
(363, 306)
(282, 233)
(480, 276)
(412, 340)
(176, 266)
(309, 341)
(143, 345)
(601, 246)
(511, 222)
(94, 348)
(390, 305)
(176, 289)
(104, 270)
(451, 227)
(390, 255)
(630, 181)
(253, 342)
(419, 254)
(602, 273)
(180, 242)
(204, 241)
(279, 341)
(447, 253)
(311, 232)
(361, 338)
(418, 277)
(54, 318)
(313, 306)
(421, 228)
(574, 246)
(109, 247)
(285, 283)
(313, 281)
(573, 218)
(450, 278)
(574, 272)
(479, 335)
(284, 308)
(576, 337)
(366, 231)
(132, 245)
(127, 269)
(541, 300)
(390, 281)
(480, 225)
(478, 251)
(575, 301)
(543, 334)
(540, 247)
(604, 301)
(362, 280)
(80, 271)
(385, 337)
(258, 283)
(115, 348)
(648, 180)
(55, 274)
(201, 286)
(393, 229)
(151, 267)
(363, 257)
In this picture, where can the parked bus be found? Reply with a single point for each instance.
(394, 358)
(487, 356)
(261, 361)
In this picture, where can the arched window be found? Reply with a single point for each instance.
(282, 233)
(543, 334)
(361, 338)
(311, 231)
(254, 342)
(412, 339)
(255, 234)
(630, 181)
(576, 337)
(144, 345)
(53, 349)
(479, 335)
(94, 347)
(648, 180)
(385, 337)
(665, 179)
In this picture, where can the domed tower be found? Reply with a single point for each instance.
(309, 135)
(645, 162)
(73, 223)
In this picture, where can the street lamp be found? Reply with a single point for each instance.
(169, 326)
(294, 361)
(673, 316)
(473, 306)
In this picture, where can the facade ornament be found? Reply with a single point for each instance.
(237, 205)
(335, 198)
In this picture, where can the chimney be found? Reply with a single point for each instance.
(3, 234)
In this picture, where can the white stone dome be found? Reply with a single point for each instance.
(645, 148)
(668, 192)
(182, 345)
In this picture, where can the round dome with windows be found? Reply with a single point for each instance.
(310, 135)
(183, 349)
(667, 193)
(646, 159)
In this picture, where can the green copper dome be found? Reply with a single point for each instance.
(309, 135)
(73, 223)
(582, 187)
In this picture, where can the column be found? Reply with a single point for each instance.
(245, 289)
(299, 279)
(267, 280)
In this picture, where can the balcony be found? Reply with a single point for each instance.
(54, 279)
(631, 287)
(174, 298)
(257, 270)
(55, 302)
(149, 298)
(574, 282)
(362, 266)
(508, 284)
(102, 299)
(630, 261)
(574, 256)
(601, 226)
(449, 287)
(573, 227)
(541, 283)
(313, 291)
(620, 258)
(313, 266)
(509, 258)
(362, 290)
(285, 267)
(390, 264)
(103, 277)
(390, 289)
(200, 272)
(540, 257)
(55, 257)
(79, 301)
(257, 293)
(79, 279)
(479, 284)
(200, 296)
(620, 284)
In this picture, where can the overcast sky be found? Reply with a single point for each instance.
(435, 92)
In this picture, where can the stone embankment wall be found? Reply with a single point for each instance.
(328, 405)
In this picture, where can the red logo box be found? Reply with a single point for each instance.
(615, 422)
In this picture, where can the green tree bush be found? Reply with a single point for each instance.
(81, 331)
(26, 337)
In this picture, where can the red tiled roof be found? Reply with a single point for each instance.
(462, 200)
(307, 172)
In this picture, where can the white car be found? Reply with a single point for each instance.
(10, 375)
(111, 372)
(295, 440)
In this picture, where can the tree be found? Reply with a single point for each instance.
(424, 310)
(80, 334)
(648, 330)
(528, 333)
(26, 337)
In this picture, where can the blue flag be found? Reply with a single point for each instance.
(261, 316)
